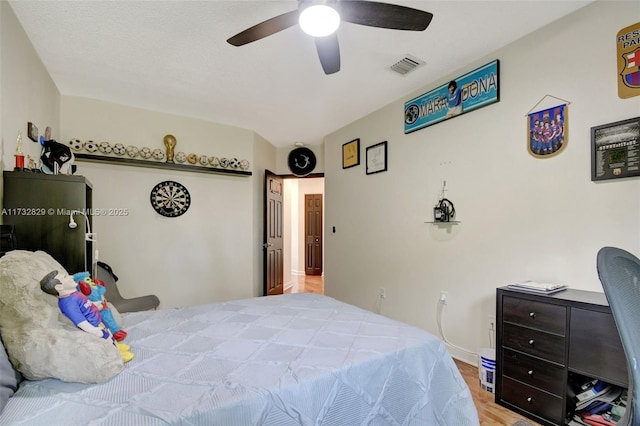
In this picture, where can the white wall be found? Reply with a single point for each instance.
(27, 93)
(522, 217)
(206, 255)
(290, 220)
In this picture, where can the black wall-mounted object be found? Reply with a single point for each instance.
(301, 161)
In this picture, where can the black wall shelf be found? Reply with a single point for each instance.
(159, 165)
(449, 222)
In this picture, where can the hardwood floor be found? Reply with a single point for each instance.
(490, 413)
(307, 284)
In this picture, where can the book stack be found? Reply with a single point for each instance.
(536, 287)
(599, 403)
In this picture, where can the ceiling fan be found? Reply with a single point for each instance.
(330, 13)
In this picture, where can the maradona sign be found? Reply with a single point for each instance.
(466, 93)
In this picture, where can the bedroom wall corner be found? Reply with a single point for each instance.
(27, 92)
(203, 256)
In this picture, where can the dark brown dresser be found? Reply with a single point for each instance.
(543, 340)
(39, 206)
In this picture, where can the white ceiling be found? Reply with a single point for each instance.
(172, 56)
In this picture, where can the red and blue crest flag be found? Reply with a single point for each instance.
(628, 49)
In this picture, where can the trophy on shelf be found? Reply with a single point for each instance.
(19, 154)
(170, 144)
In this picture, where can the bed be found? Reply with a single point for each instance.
(294, 359)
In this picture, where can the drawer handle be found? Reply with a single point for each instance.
(529, 400)
(530, 372)
(531, 342)
(532, 314)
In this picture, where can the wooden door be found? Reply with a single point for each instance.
(273, 238)
(313, 234)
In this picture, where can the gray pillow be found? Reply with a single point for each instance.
(9, 378)
(41, 341)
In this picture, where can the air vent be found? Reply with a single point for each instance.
(407, 64)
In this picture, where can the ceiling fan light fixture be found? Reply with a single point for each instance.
(319, 20)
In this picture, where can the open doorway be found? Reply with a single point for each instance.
(303, 243)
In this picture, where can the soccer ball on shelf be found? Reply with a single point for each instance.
(90, 146)
(145, 152)
(119, 149)
(76, 144)
(180, 157)
(132, 151)
(157, 154)
(105, 148)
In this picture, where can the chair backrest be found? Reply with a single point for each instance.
(134, 304)
(105, 273)
(619, 273)
(7, 238)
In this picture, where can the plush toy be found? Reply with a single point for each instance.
(82, 312)
(95, 290)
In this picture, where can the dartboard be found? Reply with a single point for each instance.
(170, 199)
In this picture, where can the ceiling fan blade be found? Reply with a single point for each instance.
(266, 28)
(384, 15)
(329, 53)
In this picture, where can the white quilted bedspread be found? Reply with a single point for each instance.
(297, 359)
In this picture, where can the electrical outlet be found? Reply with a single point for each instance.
(383, 292)
(443, 297)
(492, 323)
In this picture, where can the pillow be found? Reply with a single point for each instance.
(41, 342)
(9, 378)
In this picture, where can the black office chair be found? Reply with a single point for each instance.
(7, 239)
(619, 273)
(135, 304)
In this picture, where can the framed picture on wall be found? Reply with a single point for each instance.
(32, 131)
(351, 154)
(615, 150)
(377, 158)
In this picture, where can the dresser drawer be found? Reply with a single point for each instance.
(529, 313)
(534, 372)
(534, 401)
(534, 342)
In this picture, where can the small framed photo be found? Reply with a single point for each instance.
(377, 158)
(351, 154)
(615, 150)
(32, 131)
